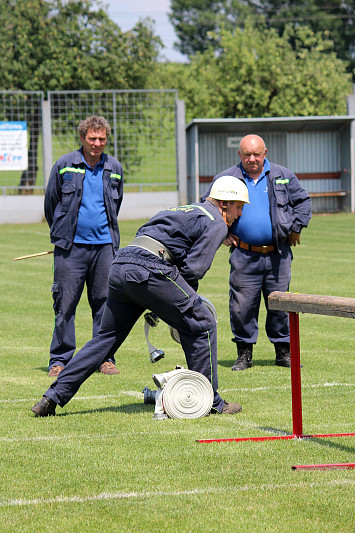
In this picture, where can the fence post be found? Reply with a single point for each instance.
(180, 136)
(114, 125)
(47, 140)
(350, 104)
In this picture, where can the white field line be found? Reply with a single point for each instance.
(160, 430)
(44, 233)
(168, 494)
(120, 435)
(135, 394)
(139, 395)
(288, 387)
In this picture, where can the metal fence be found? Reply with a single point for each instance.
(24, 106)
(143, 130)
(143, 136)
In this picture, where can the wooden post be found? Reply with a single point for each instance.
(312, 303)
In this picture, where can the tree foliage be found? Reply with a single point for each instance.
(259, 74)
(336, 18)
(68, 45)
(71, 44)
(199, 23)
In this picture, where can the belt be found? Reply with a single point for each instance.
(153, 246)
(261, 249)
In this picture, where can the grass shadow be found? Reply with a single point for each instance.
(127, 409)
(256, 362)
(319, 440)
(42, 368)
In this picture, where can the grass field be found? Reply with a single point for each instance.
(104, 465)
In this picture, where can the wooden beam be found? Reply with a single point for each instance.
(318, 175)
(312, 303)
(327, 193)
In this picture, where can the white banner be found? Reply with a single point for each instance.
(13, 146)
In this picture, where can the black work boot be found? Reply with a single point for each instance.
(45, 407)
(282, 350)
(245, 353)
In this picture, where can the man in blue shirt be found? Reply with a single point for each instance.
(160, 270)
(261, 243)
(82, 201)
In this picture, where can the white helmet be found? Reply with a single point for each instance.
(229, 188)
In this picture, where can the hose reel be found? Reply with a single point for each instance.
(181, 394)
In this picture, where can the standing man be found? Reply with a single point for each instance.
(160, 271)
(82, 201)
(261, 253)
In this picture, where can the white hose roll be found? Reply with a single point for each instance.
(174, 332)
(187, 394)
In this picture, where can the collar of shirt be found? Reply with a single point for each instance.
(101, 162)
(266, 169)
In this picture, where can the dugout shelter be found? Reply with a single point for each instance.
(320, 150)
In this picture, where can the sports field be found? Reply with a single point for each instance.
(104, 465)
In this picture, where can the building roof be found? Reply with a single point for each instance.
(291, 124)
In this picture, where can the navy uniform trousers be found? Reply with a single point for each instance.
(83, 263)
(143, 281)
(253, 274)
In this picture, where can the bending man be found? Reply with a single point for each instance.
(160, 271)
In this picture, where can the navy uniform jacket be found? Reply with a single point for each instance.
(192, 233)
(64, 193)
(290, 204)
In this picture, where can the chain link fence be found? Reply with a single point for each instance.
(143, 136)
(25, 106)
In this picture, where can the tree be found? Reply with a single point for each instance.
(336, 18)
(259, 74)
(198, 23)
(69, 45)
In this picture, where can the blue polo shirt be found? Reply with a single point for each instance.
(254, 226)
(92, 226)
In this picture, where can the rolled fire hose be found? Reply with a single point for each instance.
(186, 394)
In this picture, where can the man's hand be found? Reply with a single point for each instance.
(231, 240)
(294, 238)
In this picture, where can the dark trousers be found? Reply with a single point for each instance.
(134, 288)
(73, 268)
(253, 274)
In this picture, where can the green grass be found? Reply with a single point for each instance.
(104, 465)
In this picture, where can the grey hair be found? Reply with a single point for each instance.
(96, 123)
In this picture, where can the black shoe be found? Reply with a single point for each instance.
(245, 354)
(45, 407)
(282, 350)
